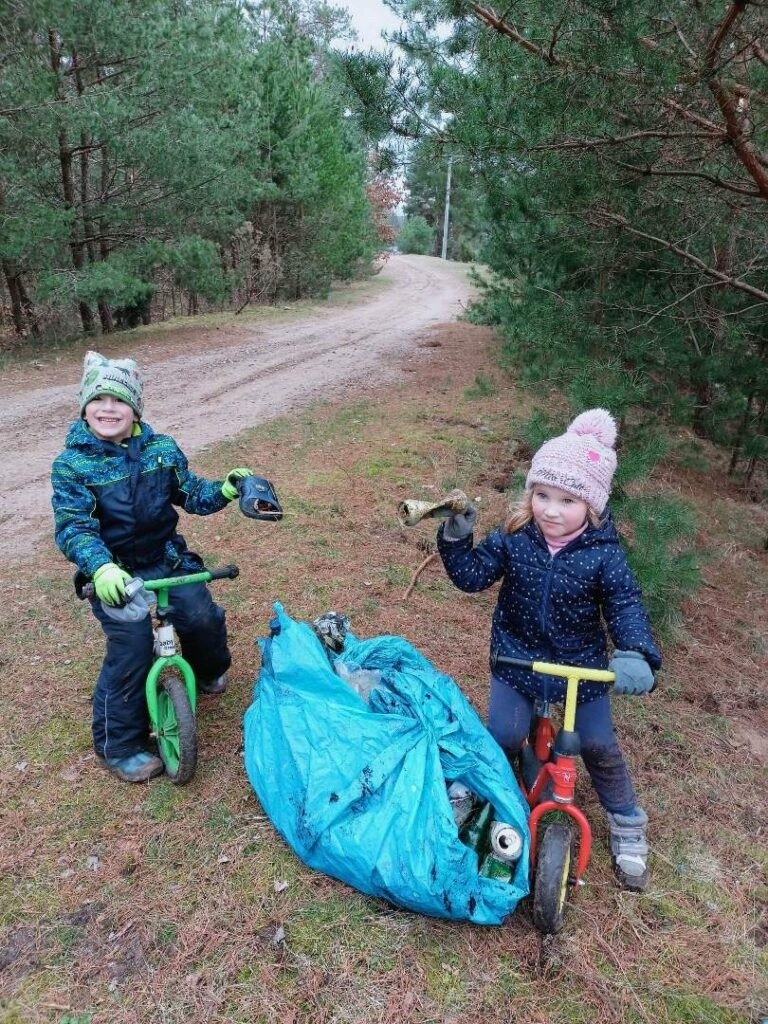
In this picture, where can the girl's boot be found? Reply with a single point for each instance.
(629, 848)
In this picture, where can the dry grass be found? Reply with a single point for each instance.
(131, 905)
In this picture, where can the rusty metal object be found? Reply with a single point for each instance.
(413, 511)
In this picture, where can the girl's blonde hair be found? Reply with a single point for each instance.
(521, 513)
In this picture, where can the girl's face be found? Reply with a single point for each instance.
(110, 418)
(557, 513)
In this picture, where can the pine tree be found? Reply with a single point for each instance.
(622, 153)
(204, 150)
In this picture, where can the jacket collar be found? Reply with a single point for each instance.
(604, 533)
(80, 438)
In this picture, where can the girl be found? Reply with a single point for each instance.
(562, 570)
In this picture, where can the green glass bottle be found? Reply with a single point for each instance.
(475, 832)
(492, 867)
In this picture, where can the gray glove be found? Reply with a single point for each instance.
(460, 524)
(137, 605)
(632, 671)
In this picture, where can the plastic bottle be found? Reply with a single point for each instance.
(463, 802)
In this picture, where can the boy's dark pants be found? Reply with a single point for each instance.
(509, 721)
(120, 719)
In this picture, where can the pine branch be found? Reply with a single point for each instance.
(689, 115)
(727, 279)
(619, 140)
(754, 161)
(490, 18)
(649, 171)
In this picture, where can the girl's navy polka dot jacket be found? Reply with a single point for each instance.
(550, 606)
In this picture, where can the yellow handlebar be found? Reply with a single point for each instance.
(591, 675)
(574, 675)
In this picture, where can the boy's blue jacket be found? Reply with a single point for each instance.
(114, 502)
(549, 607)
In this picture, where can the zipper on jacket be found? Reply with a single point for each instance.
(546, 593)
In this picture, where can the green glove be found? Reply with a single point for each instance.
(229, 487)
(109, 581)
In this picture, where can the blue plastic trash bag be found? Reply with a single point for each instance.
(358, 789)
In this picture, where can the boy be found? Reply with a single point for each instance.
(114, 490)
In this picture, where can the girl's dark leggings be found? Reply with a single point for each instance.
(509, 722)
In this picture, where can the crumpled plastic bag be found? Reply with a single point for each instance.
(358, 789)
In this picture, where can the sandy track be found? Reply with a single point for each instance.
(209, 387)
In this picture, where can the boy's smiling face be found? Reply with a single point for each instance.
(110, 418)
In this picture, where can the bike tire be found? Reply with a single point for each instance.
(551, 883)
(176, 729)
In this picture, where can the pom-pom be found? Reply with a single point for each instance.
(597, 423)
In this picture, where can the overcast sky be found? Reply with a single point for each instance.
(369, 18)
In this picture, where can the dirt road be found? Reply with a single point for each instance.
(207, 385)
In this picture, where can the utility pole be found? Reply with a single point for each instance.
(444, 254)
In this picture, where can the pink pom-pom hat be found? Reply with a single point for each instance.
(581, 461)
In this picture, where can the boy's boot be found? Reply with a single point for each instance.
(214, 687)
(629, 848)
(135, 767)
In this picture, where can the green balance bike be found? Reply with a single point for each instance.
(171, 689)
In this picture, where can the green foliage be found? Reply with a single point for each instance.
(538, 428)
(425, 182)
(209, 150)
(482, 387)
(416, 236)
(197, 268)
(626, 246)
(661, 554)
(112, 281)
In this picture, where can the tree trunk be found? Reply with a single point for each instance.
(22, 310)
(741, 434)
(28, 306)
(105, 317)
(17, 308)
(752, 464)
(68, 183)
(104, 311)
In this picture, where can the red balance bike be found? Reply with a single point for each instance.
(548, 781)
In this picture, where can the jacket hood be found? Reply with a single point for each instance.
(80, 437)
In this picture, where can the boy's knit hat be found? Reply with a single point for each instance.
(117, 377)
(581, 461)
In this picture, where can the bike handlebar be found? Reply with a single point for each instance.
(592, 675)
(226, 572)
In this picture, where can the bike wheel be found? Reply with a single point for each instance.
(176, 731)
(553, 867)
